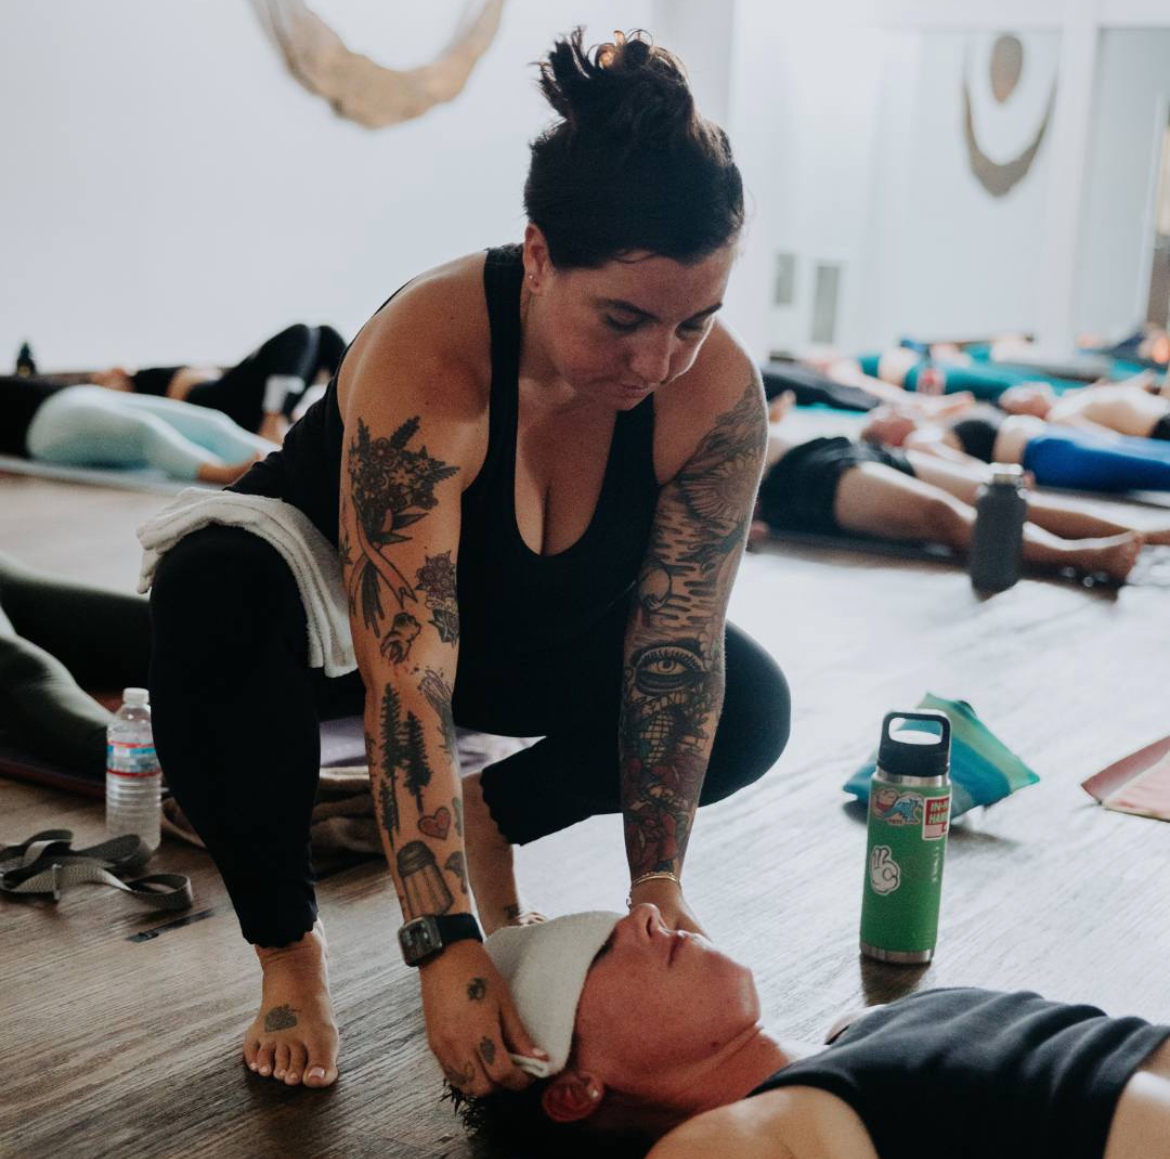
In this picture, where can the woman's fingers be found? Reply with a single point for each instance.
(500, 1069)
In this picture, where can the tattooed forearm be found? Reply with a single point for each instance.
(668, 718)
(392, 487)
(673, 677)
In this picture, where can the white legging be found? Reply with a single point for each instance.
(94, 427)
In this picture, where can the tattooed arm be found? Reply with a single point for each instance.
(673, 676)
(403, 463)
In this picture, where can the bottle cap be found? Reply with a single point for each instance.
(136, 697)
(915, 752)
(1010, 473)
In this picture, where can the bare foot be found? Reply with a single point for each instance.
(491, 868)
(1114, 556)
(294, 1037)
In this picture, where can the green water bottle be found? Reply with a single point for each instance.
(909, 816)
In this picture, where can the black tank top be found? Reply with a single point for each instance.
(510, 598)
(976, 1073)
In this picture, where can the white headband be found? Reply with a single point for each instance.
(545, 966)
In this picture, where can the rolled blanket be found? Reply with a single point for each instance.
(309, 555)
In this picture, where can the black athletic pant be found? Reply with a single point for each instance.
(299, 351)
(812, 388)
(55, 637)
(236, 712)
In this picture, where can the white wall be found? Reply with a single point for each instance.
(1129, 117)
(172, 194)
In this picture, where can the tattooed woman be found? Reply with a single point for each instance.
(538, 466)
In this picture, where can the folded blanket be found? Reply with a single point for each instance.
(309, 555)
(983, 769)
(343, 819)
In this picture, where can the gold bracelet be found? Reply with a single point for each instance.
(664, 874)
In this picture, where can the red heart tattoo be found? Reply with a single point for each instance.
(436, 824)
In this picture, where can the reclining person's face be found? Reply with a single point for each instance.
(658, 1006)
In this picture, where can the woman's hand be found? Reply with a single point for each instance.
(472, 1024)
(668, 897)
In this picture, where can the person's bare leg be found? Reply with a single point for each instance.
(294, 1037)
(1141, 1123)
(491, 867)
(877, 500)
(1064, 517)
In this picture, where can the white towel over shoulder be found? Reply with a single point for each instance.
(309, 555)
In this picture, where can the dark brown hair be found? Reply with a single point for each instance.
(631, 165)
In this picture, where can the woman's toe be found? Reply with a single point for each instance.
(264, 1060)
(281, 1068)
(296, 1064)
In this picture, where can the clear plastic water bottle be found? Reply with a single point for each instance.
(133, 776)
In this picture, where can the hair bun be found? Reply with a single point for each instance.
(630, 90)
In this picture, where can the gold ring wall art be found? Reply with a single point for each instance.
(361, 89)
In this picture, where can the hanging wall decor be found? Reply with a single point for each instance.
(1005, 68)
(359, 88)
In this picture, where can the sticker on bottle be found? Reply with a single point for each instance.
(937, 818)
(895, 808)
(885, 874)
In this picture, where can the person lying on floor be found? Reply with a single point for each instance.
(87, 426)
(842, 390)
(841, 486)
(260, 394)
(58, 637)
(653, 1034)
(1080, 458)
(1125, 408)
(911, 370)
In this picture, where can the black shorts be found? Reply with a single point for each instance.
(798, 493)
(1161, 428)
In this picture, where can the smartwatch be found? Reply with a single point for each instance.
(422, 939)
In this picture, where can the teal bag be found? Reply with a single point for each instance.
(983, 769)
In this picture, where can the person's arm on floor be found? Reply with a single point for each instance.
(673, 676)
(401, 490)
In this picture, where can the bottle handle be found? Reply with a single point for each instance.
(929, 715)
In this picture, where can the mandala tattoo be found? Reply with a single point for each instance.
(673, 677)
(487, 1050)
(437, 579)
(392, 486)
(455, 864)
(439, 693)
(281, 1018)
(476, 989)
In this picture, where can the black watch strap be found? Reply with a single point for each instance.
(421, 939)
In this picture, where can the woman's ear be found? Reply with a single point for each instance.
(536, 257)
(572, 1097)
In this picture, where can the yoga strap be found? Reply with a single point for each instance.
(47, 864)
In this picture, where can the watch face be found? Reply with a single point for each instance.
(419, 938)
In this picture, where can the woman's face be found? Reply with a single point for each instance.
(656, 1001)
(617, 333)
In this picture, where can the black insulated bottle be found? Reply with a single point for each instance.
(997, 545)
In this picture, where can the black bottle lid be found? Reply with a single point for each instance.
(915, 752)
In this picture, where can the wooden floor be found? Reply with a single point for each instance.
(122, 1045)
